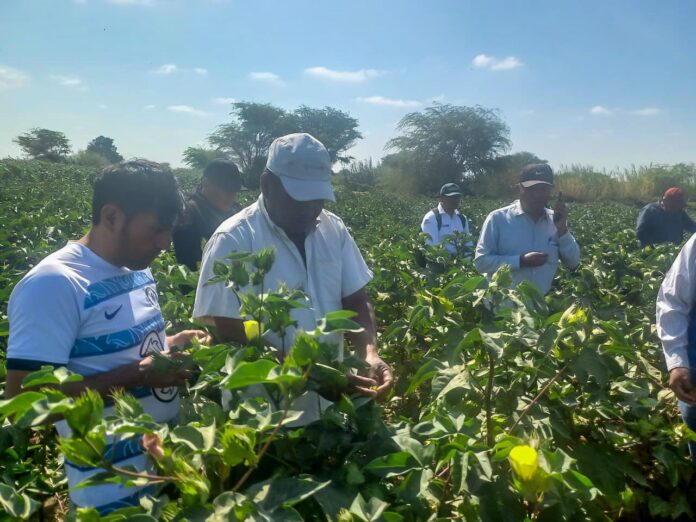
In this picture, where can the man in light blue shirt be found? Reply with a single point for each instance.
(527, 236)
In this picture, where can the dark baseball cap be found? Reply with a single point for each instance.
(450, 189)
(535, 174)
(224, 174)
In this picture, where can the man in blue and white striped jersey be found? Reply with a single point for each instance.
(92, 307)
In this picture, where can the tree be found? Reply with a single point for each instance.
(199, 157)
(337, 130)
(247, 138)
(255, 125)
(502, 173)
(105, 148)
(451, 142)
(44, 144)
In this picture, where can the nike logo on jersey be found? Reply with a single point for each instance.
(110, 316)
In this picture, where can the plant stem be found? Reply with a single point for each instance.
(540, 394)
(155, 479)
(262, 451)
(490, 439)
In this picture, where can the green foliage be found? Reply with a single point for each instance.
(448, 143)
(105, 147)
(44, 144)
(247, 138)
(576, 375)
(199, 157)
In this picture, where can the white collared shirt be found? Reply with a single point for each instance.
(674, 306)
(334, 269)
(450, 225)
(508, 233)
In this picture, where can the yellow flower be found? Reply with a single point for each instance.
(252, 329)
(524, 460)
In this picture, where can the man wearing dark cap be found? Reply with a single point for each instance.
(527, 236)
(213, 202)
(445, 219)
(665, 221)
(314, 252)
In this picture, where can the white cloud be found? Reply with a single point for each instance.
(647, 111)
(390, 102)
(167, 68)
(11, 78)
(200, 71)
(186, 109)
(359, 76)
(266, 77)
(509, 62)
(69, 81)
(483, 61)
(600, 110)
(223, 101)
(149, 107)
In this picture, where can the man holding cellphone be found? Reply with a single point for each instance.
(527, 236)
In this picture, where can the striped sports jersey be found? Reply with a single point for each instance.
(75, 309)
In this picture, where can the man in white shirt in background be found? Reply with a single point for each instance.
(445, 219)
(314, 253)
(527, 236)
(676, 328)
(92, 306)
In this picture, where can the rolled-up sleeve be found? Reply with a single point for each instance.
(569, 250)
(429, 226)
(674, 303)
(354, 271)
(487, 260)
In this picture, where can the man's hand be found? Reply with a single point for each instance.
(681, 385)
(147, 374)
(532, 259)
(560, 217)
(185, 336)
(379, 381)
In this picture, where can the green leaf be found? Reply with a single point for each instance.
(392, 465)
(283, 491)
(20, 404)
(248, 373)
(238, 445)
(86, 413)
(50, 375)
(18, 505)
(339, 321)
(198, 438)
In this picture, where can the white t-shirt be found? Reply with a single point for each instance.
(335, 269)
(450, 225)
(75, 309)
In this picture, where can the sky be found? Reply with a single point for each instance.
(606, 84)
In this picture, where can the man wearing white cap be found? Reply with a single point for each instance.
(527, 236)
(314, 253)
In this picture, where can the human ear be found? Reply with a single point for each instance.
(112, 218)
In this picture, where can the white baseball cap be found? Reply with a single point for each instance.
(303, 165)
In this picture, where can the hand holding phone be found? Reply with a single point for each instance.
(560, 215)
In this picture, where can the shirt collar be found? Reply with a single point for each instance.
(516, 210)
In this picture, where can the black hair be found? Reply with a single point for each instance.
(138, 186)
(224, 174)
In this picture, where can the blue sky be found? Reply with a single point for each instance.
(608, 84)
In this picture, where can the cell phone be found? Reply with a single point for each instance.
(559, 199)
